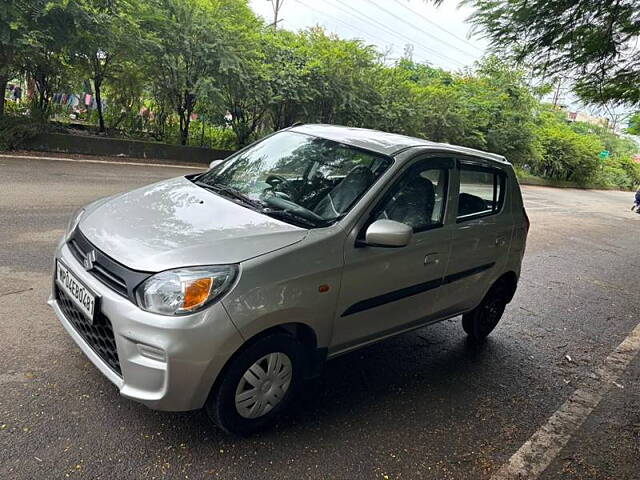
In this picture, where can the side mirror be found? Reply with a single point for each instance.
(388, 233)
(215, 163)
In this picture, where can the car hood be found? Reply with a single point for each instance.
(175, 223)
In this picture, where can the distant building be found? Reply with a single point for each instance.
(585, 117)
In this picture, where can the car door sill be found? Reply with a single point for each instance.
(414, 326)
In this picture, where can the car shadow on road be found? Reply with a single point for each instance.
(402, 385)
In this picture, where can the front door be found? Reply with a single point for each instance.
(385, 290)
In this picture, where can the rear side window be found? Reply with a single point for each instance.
(481, 192)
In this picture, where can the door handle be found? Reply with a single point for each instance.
(501, 241)
(431, 259)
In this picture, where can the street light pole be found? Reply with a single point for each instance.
(276, 5)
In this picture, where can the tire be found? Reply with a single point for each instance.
(255, 410)
(480, 322)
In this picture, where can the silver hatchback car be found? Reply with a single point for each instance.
(227, 289)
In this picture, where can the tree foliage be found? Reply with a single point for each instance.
(634, 124)
(15, 16)
(104, 32)
(210, 72)
(42, 52)
(592, 41)
(184, 49)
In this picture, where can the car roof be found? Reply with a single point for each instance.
(384, 142)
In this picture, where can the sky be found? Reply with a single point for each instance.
(439, 35)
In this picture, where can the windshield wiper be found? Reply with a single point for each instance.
(291, 217)
(230, 192)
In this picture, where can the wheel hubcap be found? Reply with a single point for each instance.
(263, 385)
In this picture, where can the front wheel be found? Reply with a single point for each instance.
(257, 384)
(480, 322)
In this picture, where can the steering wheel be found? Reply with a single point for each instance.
(276, 184)
(285, 204)
(276, 180)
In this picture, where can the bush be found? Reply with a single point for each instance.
(568, 156)
(16, 109)
(621, 172)
(16, 129)
(219, 138)
(614, 143)
(563, 153)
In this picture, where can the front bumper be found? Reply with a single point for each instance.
(167, 363)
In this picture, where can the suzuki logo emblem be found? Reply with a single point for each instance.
(89, 260)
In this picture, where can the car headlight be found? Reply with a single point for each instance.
(185, 290)
(74, 220)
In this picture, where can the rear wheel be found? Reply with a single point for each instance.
(480, 322)
(257, 384)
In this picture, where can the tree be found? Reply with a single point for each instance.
(396, 107)
(185, 47)
(105, 31)
(565, 154)
(288, 56)
(338, 78)
(42, 54)
(594, 41)
(244, 84)
(616, 145)
(246, 96)
(634, 124)
(13, 28)
(499, 95)
(126, 93)
(28, 41)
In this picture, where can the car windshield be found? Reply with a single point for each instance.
(299, 178)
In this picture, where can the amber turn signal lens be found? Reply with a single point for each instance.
(196, 292)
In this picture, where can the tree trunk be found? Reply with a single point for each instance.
(188, 104)
(3, 89)
(181, 117)
(97, 83)
(184, 127)
(184, 140)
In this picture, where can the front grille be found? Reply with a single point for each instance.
(116, 276)
(99, 336)
(110, 279)
(100, 270)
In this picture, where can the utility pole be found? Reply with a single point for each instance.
(556, 96)
(276, 5)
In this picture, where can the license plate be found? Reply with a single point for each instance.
(81, 296)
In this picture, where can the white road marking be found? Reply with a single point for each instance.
(544, 445)
(112, 162)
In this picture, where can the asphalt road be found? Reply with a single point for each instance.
(422, 405)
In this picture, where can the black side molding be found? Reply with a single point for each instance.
(454, 277)
(396, 295)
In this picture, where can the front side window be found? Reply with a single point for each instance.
(418, 199)
(481, 192)
(298, 177)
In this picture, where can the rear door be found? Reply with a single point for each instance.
(481, 234)
(384, 290)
